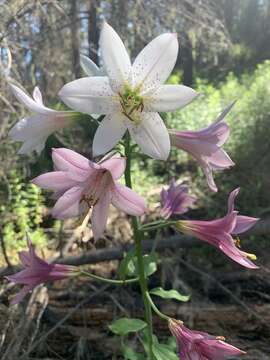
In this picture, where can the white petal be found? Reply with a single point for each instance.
(109, 132)
(88, 66)
(151, 135)
(37, 96)
(26, 100)
(155, 62)
(33, 144)
(115, 58)
(169, 98)
(90, 95)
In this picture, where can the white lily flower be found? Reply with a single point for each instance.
(34, 130)
(131, 95)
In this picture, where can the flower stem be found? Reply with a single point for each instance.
(159, 313)
(110, 281)
(139, 253)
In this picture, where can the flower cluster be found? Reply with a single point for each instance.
(129, 96)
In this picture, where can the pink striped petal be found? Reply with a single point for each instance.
(128, 200)
(116, 166)
(68, 205)
(55, 180)
(100, 215)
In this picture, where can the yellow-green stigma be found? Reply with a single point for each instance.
(131, 102)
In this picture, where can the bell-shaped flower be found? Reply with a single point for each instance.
(33, 130)
(175, 200)
(131, 95)
(198, 345)
(219, 232)
(80, 184)
(37, 271)
(206, 146)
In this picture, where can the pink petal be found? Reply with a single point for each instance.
(228, 247)
(128, 200)
(21, 294)
(116, 166)
(24, 257)
(100, 215)
(68, 205)
(231, 199)
(244, 223)
(55, 180)
(75, 164)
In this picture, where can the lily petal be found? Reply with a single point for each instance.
(169, 98)
(155, 62)
(151, 135)
(100, 215)
(21, 294)
(25, 99)
(55, 180)
(244, 223)
(68, 205)
(116, 165)
(127, 200)
(91, 95)
(115, 58)
(37, 96)
(78, 167)
(227, 246)
(88, 66)
(110, 131)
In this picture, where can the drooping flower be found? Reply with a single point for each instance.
(131, 95)
(219, 232)
(37, 271)
(80, 184)
(197, 345)
(34, 130)
(175, 200)
(206, 146)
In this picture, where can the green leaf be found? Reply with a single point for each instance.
(163, 352)
(169, 294)
(129, 266)
(150, 263)
(124, 326)
(126, 267)
(130, 354)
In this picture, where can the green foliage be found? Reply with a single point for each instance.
(20, 212)
(124, 326)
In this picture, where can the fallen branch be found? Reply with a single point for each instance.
(117, 252)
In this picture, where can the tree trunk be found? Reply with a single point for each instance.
(93, 31)
(187, 62)
(75, 39)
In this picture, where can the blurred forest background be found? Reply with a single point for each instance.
(224, 55)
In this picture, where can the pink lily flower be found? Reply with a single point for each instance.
(34, 130)
(175, 200)
(37, 271)
(80, 184)
(219, 232)
(197, 345)
(206, 146)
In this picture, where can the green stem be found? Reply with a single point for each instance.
(109, 281)
(153, 226)
(159, 313)
(139, 253)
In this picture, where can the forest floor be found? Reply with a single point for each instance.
(69, 319)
